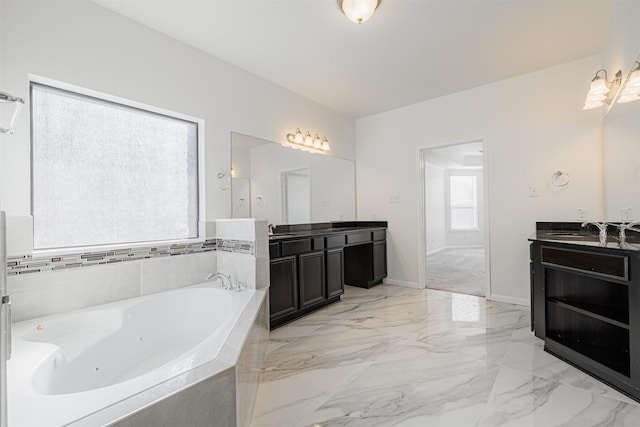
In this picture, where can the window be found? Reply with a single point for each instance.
(463, 202)
(108, 173)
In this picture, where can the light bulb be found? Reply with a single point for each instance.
(358, 11)
(317, 142)
(325, 144)
(598, 86)
(298, 138)
(308, 141)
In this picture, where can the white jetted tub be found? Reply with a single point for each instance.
(67, 366)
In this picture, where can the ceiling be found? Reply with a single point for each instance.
(467, 155)
(409, 51)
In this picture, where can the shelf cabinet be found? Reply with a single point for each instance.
(585, 308)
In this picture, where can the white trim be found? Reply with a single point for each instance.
(509, 300)
(402, 283)
(422, 238)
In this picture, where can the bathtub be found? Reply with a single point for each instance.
(65, 367)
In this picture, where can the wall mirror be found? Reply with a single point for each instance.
(621, 162)
(288, 186)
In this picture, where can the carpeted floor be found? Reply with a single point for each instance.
(460, 270)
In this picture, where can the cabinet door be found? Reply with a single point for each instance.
(283, 291)
(379, 260)
(335, 272)
(312, 278)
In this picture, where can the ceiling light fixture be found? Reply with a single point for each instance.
(308, 142)
(631, 90)
(358, 11)
(602, 91)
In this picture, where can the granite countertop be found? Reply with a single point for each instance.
(574, 234)
(290, 234)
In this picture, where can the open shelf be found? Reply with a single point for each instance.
(603, 313)
(601, 340)
(592, 296)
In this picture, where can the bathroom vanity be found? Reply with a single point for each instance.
(311, 263)
(585, 301)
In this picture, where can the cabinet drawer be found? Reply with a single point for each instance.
(599, 264)
(294, 247)
(274, 250)
(379, 235)
(362, 237)
(336, 241)
(318, 243)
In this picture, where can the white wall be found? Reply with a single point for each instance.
(81, 43)
(534, 125)
(435, 217)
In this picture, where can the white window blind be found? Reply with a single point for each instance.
(108, 173)
(463, 198)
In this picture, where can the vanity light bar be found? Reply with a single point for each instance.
(308, 142)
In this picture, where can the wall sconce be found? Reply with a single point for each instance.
(307, 141)
(602, 91)
(358, 11)
(631, 89)
(6, 98)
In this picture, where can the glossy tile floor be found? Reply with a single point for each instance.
(459, 270)
(394, 356)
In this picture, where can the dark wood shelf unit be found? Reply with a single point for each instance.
(585, 306)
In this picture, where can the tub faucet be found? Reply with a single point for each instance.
(624, 227)
(602, 226)
(222, 278)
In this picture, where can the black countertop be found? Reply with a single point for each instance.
(573, 233)
(309, 230)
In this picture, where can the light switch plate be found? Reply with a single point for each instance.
(626, 214)
(582, 214)
(394, 198)
(533, 191)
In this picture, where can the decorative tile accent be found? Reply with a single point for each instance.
(29, 264)
(238, 246)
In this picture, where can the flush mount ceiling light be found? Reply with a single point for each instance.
(631, 90)
(308, 142)
(601, 91)
(358, 11)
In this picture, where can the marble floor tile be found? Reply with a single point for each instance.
(394, 356)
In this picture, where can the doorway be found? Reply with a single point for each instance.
(296, 196)
(454, 238)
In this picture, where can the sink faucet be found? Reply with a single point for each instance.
(222, 278)
(603, 231)
(271, 227)
(624, 227)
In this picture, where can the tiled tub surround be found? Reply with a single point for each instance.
(58, 283)
(202, 393)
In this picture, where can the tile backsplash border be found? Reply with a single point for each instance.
(29, 264)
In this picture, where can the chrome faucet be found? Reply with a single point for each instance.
(603, 231)
(271, 227)
(222, 278)
(624, 227)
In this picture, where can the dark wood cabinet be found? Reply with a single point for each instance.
(312, 279)
(379, 260)
(335, 272)
(585, 307)
(309, 272)
(283, 292)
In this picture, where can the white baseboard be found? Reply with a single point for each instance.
(402, 283)
(509, 300)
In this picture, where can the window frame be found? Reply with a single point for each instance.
(450, 208)
(102, 96)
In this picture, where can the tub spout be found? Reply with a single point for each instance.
(222, 278)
